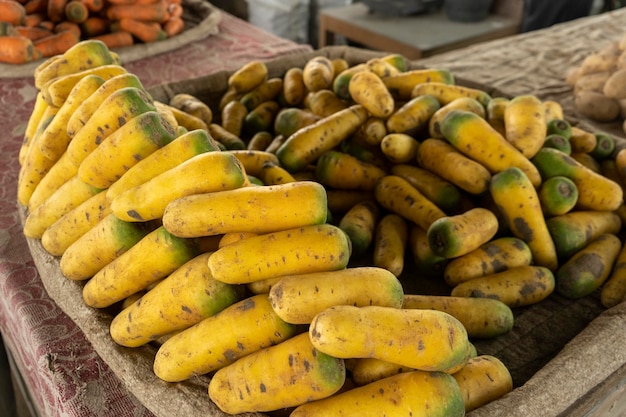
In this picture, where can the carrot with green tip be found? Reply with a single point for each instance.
(558, 195)
(518, 201)
(454, 236)
(588, 268)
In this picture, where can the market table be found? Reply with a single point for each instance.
(415, 36)
(63, 374)
(63, 370)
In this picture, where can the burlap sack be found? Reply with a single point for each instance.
(201, 20)
(561, 353)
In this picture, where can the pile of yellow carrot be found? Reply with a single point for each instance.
(34, 29)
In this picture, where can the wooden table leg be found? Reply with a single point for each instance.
(325, 36)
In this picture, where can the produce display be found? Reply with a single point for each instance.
(599, 84)
(263, 242)
(35, 29)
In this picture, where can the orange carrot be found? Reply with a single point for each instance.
(120, 1)
(56, 10)
(12, 12)
(94, 5)
(67, 25)
(175, 9)
(156, 12)
(36, 6)
(144, 31)
(34, 19)
(94, 26)
(116, 39)
(17, 50)
(76, 11)
(32, 33)
(174, 26)
(56, 44)
(47, 24)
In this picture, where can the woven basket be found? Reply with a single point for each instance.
(560, 352)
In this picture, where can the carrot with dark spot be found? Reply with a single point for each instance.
(12, 12)
(68, 26)
(32, 33)
(588, 268)
(76, 11)
(397, 195)
(93, 5)
(156, 12)
(519, 203)
(46, 23)
(33, 19)
(184, 298)
(116, 39)
(56, 44)
(516, 287)
(56, 10)
(17, 50)
(95, 26)
(145, 31)
(35, 6)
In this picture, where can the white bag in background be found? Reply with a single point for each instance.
(316, 7)
(288, 19)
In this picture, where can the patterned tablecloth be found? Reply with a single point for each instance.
(63, 373)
